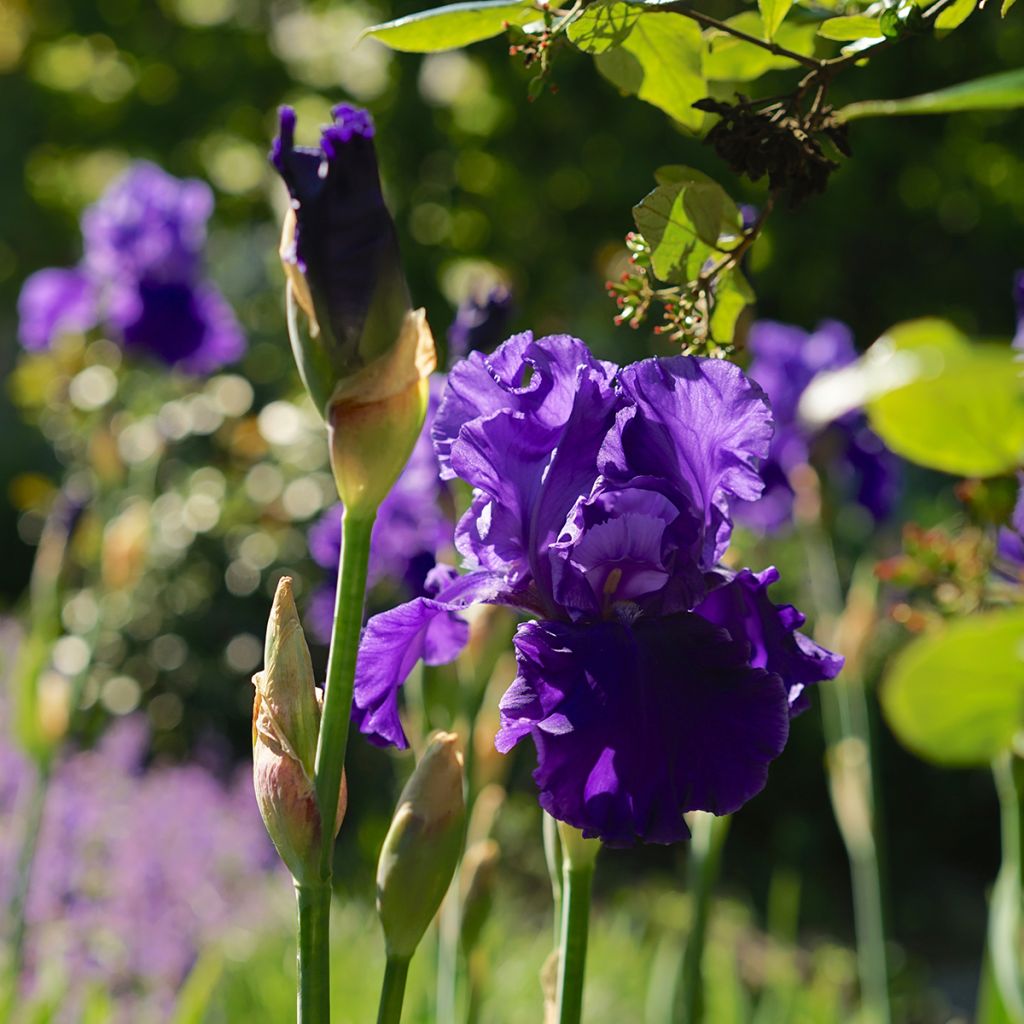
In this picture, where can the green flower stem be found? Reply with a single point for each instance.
(341, 672)
(23, 884)
(576, 886)
(392, 993)
(1005, 909)
(314, 993)
(554, 861)
(847, 726)
(708, 838)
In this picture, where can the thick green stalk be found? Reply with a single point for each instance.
(707, 839)
(341, 671)
(576, 886)
(1005, 912)
(314, 991)
(392, 993)
(849, 762)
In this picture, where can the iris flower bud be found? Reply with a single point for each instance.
(422, 846)
(366, 355)
(285, 724)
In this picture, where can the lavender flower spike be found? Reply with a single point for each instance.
(651, 680)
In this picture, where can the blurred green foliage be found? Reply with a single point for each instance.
(925, 219)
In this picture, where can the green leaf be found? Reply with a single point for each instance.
(447, 28)
(957, 697)
(683, 219)
(954, 15)
(933, 397)
(1004, 91)
(602, 26)
(1007, 4)
(851, 27)
(773, 12)
(729, 59)
(660, 62)
(732, 295)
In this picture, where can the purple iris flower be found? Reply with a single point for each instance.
(344, 245)
(141, 277)
(480, 323)
(411, 527)
(1009, 555)
(785, 360)
(652, 680)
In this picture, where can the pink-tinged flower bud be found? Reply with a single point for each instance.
(422, 846)
(285, 725)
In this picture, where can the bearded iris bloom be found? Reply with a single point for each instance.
(785, 361)
(141, 277)
(651, 679)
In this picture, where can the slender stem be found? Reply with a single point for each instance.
(847, 727)
(341, 670)
(708, 22)
(708, 838)
(23, 878)
(448, 953)
(1005, 906)
(576, 886)
(392, 993)
(553, 859)
(314, 988)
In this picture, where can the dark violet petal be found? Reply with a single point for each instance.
(424, 628)
(773, 511)
(741, 605)
(480, 323)
(701, 424)
(636, 725)
(52, 302)
(191, 327)
(345, 240)
(535, 380)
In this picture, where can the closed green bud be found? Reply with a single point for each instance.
(421, 849)
(285, 725)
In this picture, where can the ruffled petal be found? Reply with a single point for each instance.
(52, 302)
(742, 606)
(703, 425)
(634, 725)
(426, 628)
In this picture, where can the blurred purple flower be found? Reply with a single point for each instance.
(1009, 555)
(137, 871)
(141, 277)
(410, 529)
(480, 323)
(653, 681)
(785, 360)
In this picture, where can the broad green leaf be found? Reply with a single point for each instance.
(957, 697)
(660, 62)
(603, 26)
(729, 59)
(851, 27)
(955, 14)
(773, 12)
(935, 398)
(1007, 4)
(1004, 91)
(732, 295)
(447, 28)
(662, 219)
(683, 219)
